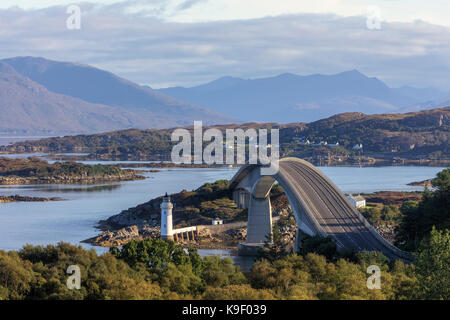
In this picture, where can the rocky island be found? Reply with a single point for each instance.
(37, 171)
(424, 183)
(18, 198)
(191, 208)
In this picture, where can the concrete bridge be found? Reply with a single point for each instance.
(319, 208)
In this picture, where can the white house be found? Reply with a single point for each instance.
(333, 144)
(217, 221)
(357, 201)
(304, 142)
(358, 146)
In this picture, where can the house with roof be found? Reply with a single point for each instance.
(357, 201)
(217, 221)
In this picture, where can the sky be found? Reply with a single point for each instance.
(165, 43)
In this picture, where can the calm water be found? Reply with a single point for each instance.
(75, 218)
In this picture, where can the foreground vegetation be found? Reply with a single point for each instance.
(155, 269)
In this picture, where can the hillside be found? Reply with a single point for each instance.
(416, 135)
(304, 98)
(40, 96)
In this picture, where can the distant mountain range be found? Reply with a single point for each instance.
(293, 98)
(39, 96)
(44, 97)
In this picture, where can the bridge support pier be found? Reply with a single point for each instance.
(259, 220)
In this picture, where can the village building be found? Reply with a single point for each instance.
(217, 221)
(357, 201)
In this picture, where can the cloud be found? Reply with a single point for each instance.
(189, 4)
(150, 50)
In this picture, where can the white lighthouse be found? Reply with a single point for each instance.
(166, 219)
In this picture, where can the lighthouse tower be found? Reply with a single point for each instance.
(166, 219)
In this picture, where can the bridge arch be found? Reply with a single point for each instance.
(318, 205)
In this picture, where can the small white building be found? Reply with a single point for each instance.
(357, 201)
(333, 144)
(358, 146)
(217, 221)
(304, 142)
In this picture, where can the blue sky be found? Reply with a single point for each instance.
(186, 42)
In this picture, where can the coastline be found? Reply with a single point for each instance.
(18, 198)
(5, 180)
(162, 160)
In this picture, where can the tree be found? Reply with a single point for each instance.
(373, 215)
(320, 245)
(433, 210)
(16, 277)
(196, 261)
(276, 246)
(219, 272)
(237, 292)
(367, 258)
(433, 266)
(155, 253)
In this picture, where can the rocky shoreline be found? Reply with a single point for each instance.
(424, 183)
(161, 161)
(18, 198)
(204, 240)
(368, 161)
(143, 164)
(122, 236)
(125, 176)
